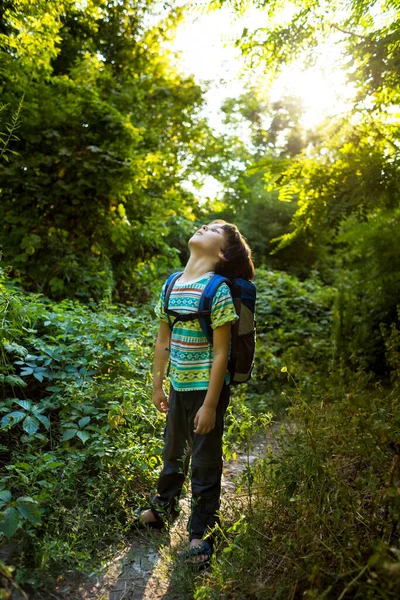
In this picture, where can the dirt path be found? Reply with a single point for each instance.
(149, 569)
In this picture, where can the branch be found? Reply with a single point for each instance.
(352, 582)
(364, 37)
(382, 135)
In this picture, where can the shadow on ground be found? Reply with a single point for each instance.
(150, 567)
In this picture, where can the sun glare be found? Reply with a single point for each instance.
(323, 90)
(206, 50)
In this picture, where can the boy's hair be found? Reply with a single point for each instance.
(237, 253)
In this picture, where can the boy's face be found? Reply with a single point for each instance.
(209, 239)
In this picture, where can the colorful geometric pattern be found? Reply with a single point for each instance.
(191, 353)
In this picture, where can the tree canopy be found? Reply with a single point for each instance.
(100, 134)
(107, 132)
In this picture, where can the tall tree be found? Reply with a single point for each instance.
(351, 164)
(345, 181)
(109, 130)
(274, 133)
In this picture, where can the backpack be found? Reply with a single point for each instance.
(243, 335)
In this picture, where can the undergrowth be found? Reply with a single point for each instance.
(80, 439)
(323, 521)
(81, 444)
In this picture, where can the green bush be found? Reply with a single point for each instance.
(294, 323)
(368, 281)
(80, 437)
(323, 520)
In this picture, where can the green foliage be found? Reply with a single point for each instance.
(392, 343)
(368, 277)
(349, 170)
(348, 165)
(324, 511)
(276, 128)
(294, 324)
(262, 217)
(9, 136)
(275, 134)
(81, 441)
(15, 511)
(242, 423)
(339, 189)
(30, 417)
(108, 132)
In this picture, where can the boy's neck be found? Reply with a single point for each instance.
(197, 266)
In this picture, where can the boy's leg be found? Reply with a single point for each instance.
(206, 473)
(176, 456)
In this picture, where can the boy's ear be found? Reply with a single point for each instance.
(224, 255)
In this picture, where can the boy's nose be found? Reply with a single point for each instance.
(204, 227)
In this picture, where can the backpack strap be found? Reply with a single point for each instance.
(205, 304)
(173, 313)
(168, 289)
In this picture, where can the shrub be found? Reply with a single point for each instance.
(80, 438)
(323, 521)
(294, 322)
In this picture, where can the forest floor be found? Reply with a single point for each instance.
(149, 568)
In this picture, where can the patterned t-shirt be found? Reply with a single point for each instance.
(191, 353)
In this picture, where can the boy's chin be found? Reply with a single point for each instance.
(195, 238)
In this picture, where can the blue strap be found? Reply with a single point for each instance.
(168, 289)
(205, 303)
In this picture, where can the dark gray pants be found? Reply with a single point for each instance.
(180, 443)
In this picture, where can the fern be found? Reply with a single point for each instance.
(9, 136)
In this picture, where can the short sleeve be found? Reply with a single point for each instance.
(223, 309)
(159, 307)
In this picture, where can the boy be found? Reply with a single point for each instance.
(199, 393)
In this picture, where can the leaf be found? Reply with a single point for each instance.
(26, 404)
(29, 509)
(84, 421)
(14, 380)
(24, 466)
(30, 424)
(13, 347)
(53, 388)
(83, 436)
(13, 418)
(46, 484)
(5, 497)
(26, 499)
(43, 419)
(38, 375)
(9, 522)
(27, 371)
(68, 434)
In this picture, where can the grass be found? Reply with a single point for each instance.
(325, 506)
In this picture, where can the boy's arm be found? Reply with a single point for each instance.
(161, 358)
(205, 418)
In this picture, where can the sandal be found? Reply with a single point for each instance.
(139, 524)
(189, 558)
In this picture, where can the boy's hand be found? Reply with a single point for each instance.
(204, 420)
(160, 400)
